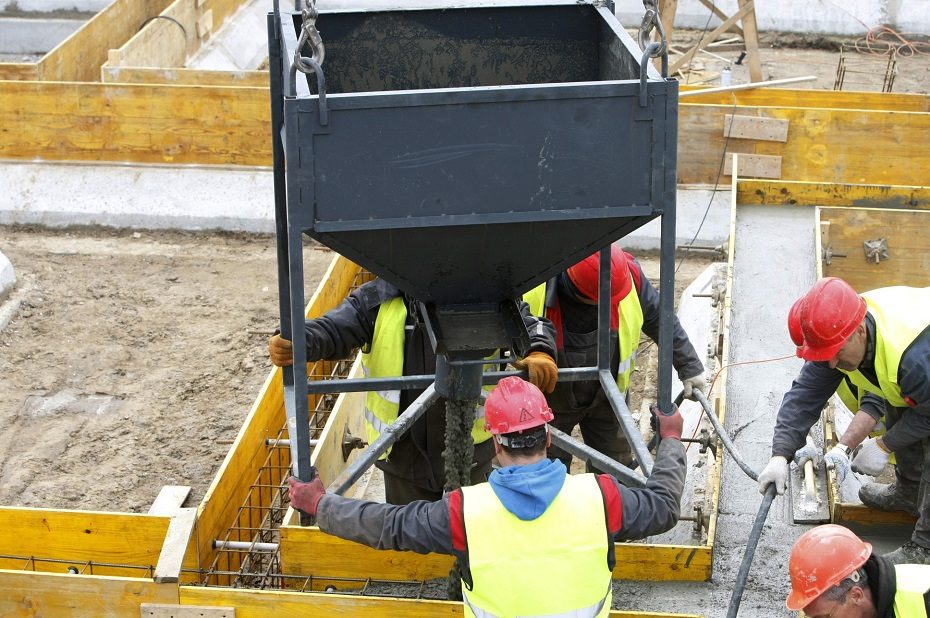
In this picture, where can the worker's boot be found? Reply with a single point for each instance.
(909, 553)
(897, 496)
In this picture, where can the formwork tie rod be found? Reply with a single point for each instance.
(245, 546)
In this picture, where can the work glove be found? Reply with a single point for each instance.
(837, 460)
(670, 425)
(306, 496)
(694, 382)
(871, 458)
(776, 471)
(542, 369)
(281, 351)
(806, 453)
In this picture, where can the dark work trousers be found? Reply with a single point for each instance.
(398, 490)
(586, 404)
(913, 466)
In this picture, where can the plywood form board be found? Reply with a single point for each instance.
(243, 462)
(827, 99)
(753, 165)
(755, 127)
(165, 41)
(122, 538)
(905, 231)
(18, 71)
(824, 145)
(262, 603)
(137, 123)
(66, 596)
(307, 550)
(79, 57)
(800, 193)
(184, 77)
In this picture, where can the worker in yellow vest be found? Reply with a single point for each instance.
(385, 323)
(531, 520)
(835, 574)
(880, 340)
(570, 302)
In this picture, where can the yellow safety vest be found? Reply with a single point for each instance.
(385, 358)
(900, 315)
(569, 538)
(913, 582)
(631, 324)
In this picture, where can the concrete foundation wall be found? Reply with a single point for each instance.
(47, 6)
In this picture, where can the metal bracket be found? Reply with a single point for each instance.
(876, 250)
(706, 442)
(701, 521)
(350, 443)
(827, 255)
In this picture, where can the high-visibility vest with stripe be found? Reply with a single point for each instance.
(913, 582)
(631, 324)
(900, 316)
(560, 557)
(385, 358)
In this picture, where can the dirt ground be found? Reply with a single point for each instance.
(134, 358)
(132, 361)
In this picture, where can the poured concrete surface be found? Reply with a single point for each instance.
(25, 36)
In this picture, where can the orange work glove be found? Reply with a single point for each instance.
(306, 496)
(281, 351)
(544, 373)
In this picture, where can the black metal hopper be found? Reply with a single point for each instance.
(467, 154)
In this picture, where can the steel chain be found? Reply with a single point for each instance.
(651, 21)
(309, 34)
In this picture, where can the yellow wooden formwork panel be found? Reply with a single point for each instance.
(307, 550)
(183, 77)
(79, 57)
(259, 604)
(48, 595)
(904, 231)
(230, 487)
(823, 145)
(19, 70)
(800, 193)
(799, 97)
(122, 538)
(134, 122)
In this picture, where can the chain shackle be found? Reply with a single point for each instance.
(650, 22)
(309, 34)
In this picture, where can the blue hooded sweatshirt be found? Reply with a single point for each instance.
(527, 491)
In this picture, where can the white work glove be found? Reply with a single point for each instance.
(837, 460)
(694, 382)
(776, 471)
(805, 453)
(870, 459)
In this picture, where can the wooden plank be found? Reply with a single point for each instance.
(19, 70)
(745, 7)
(65, 596)
(753, 165)
(79, 57)
(262, 603)
(141, 123)
(800, 193)
(906, 234)
(667, 11)
(845, 513)
(182, 77)
(169, 500)
(755, 127)
(176, 610)
(824, 145)
(751, 38)
(307, 550)
(721, 15)
(82, 535)
(828, 99)
(231, 484)
(165, 41)
(175, 546)
(205, 24)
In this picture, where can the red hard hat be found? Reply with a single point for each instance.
(585, 274)
(515, 405)
(823, 557)
(822, 320)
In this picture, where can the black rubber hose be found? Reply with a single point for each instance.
(754, 535)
